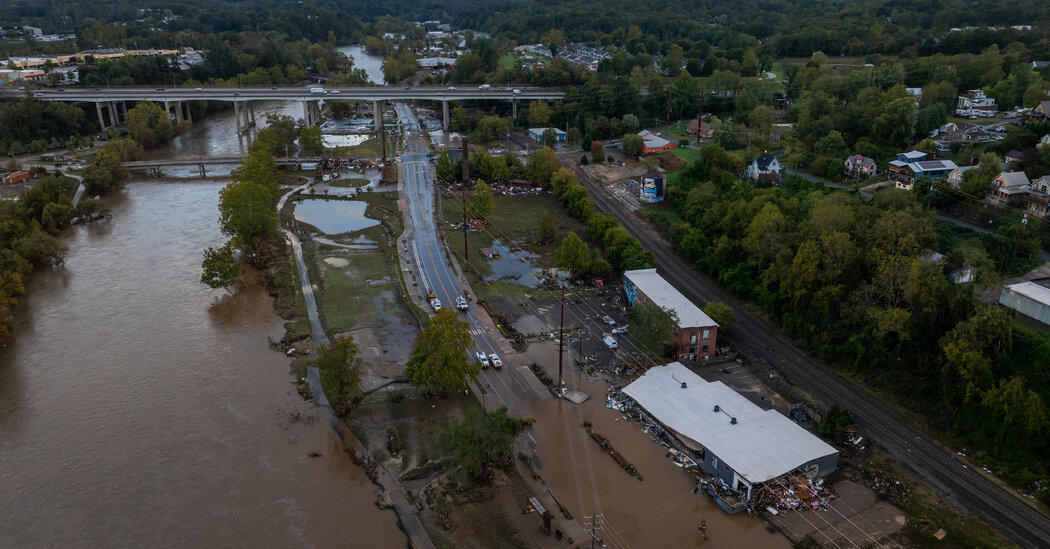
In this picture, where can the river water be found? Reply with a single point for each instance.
(372, 64)
(141, 408)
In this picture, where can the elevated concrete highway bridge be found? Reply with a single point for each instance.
(113, 101)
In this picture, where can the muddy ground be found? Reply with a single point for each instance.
(488, 517)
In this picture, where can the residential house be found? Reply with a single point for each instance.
(1041, 111)
(697, 332)
(859, 167)
(32, 31)
(705, 129)
(975, 103)
(764, 168)
(537, 134)
(652, 143)
(1007, 185)
(1040, 64)
(1043, 141)
(956, 176)
(1014, 156)
(1037, 199)
(965, 132)
(903, 173)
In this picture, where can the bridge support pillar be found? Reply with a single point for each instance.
(378, 113)
(101, 121)
(189, 111)
(123, 106)
(444, 115)
(237, 116)
(514, 108)
(250, 115)
(114, 115)
(178, 111)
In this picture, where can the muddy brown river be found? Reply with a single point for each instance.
(140, 408)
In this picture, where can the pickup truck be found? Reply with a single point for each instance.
(608, 320)
(461, 303)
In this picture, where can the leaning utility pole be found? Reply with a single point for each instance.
(561, 339)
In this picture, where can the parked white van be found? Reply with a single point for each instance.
(610, 342)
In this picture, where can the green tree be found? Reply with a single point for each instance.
(310, 140)
(722, 314)
(259, 167)
(439, 359)
(221, 268)
(545, 163)
(340, 371)
(631, 144)
(482, 442)
(482, 204)
(550, 138)
(548, 229)
(539, 113)
(652, 325)
(573, 255)
(149, 124)
(448, 169)
(246, 213)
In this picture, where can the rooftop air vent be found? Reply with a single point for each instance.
(683, 385)
(717, 409)
(732, 421)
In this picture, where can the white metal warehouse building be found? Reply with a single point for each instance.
(1030, 298)
(740, 443)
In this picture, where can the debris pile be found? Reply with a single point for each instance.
(604, 443)
(794, 492)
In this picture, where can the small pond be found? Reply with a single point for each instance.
(513, 265)
(334, 216)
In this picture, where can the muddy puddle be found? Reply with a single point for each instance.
(334, 216)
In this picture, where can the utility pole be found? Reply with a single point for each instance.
(464, 196)
(699, 123)
(466, 179)
(669, 88)
(561, 339)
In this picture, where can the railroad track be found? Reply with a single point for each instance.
(934, 464)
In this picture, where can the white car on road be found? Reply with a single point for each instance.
(496, 362)
(608, 320)
(484, 360)
(461, 303)
(620, 329)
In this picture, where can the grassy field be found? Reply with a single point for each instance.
(357, 295)
(370, 149)
(349, 182)
(508, 61)
(978, 121)
(689, 155)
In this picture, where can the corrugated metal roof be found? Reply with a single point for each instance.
(660, 292)
(763, 444)
(1032, 291)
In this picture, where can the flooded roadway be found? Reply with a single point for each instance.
(140, 408)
